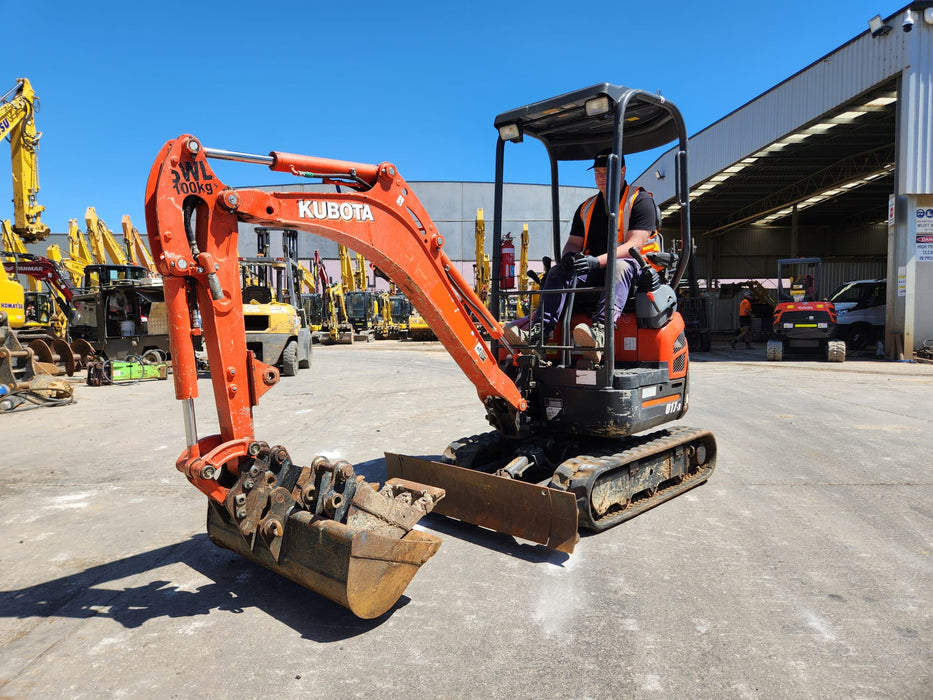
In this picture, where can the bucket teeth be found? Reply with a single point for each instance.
(395, 509)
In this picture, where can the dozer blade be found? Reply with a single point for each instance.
(326, 529)
(529, 511)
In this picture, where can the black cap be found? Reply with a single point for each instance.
(600, 160)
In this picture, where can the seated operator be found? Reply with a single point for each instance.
(584, 260)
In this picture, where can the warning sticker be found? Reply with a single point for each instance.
(924, 229)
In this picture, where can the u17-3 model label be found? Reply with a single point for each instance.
(334, 211)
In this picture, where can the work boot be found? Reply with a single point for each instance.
(515, 336)
(520, 338)
(587, 336)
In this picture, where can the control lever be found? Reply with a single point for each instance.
(648, 280)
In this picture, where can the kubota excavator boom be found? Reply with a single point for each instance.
(261, 504)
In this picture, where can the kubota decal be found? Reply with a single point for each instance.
(334, 211)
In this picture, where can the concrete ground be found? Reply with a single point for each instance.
(802, 569)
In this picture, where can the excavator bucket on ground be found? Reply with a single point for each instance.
(327, 529)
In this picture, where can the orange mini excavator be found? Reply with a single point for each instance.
(565, 449)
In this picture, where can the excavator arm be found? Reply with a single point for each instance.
(347, 542)
(192, 225)
(79, 254)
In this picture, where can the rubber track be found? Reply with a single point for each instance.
(584, 471)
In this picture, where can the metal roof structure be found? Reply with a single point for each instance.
(823, 140)
(823, 153)
(835, 171)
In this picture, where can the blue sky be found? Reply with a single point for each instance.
(414, 83)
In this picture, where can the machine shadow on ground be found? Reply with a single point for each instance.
(236, 585)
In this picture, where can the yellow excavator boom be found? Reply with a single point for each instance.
(103, 242)
(137, 250)
(347, 277)
(360, 280)
(79, 255)
(18, 124)
(481, 274)
(522, 301)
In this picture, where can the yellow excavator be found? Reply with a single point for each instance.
(18, 107)
(36, 311)
(337, 323)
(36, 314)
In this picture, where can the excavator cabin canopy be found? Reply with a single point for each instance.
(578, 125)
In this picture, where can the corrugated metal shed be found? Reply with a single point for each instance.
(828, 88)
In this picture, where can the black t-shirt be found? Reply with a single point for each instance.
(643, 217)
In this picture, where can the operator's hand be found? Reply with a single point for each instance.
(584, 264)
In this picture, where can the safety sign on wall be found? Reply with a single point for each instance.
(924, 229)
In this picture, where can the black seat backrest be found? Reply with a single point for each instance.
(259, 294)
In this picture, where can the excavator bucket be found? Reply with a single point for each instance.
(528, 511)
(327, 529)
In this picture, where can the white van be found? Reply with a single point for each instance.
(860, 308)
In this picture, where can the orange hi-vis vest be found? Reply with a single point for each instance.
(586, 213)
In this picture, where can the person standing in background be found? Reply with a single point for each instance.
(745, 321)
